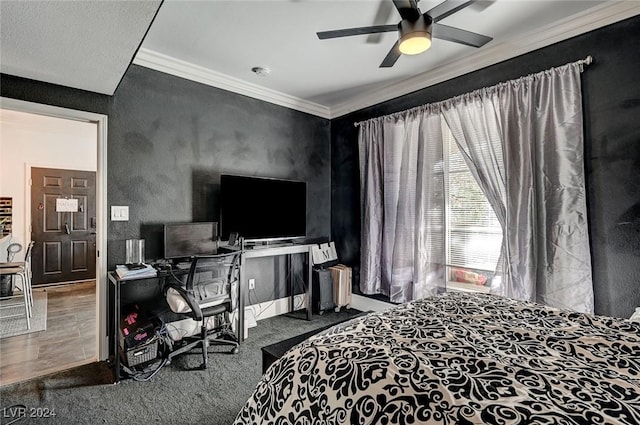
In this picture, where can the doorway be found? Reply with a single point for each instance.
(63, 225)
(99, 224)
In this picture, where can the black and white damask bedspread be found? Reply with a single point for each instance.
(458, 359)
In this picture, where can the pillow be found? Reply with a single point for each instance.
(177, 304)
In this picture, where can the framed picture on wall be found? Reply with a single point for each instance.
(6, 211)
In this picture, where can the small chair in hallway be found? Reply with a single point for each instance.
(9, 271)
(21, 269)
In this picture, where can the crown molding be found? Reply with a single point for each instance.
(179, 68)
(589, 20)
(597, 17)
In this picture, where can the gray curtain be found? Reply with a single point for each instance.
(475, 124)
(547, 219)
(402, 250)
(523, 143)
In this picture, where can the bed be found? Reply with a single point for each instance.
(458, 358)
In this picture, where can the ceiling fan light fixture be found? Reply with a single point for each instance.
(415, 37)
(415, 43)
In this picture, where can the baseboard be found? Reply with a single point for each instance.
(256, 312)
(277, 307)
(273, 308)
(362, 303)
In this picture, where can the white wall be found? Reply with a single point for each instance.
(39, 141)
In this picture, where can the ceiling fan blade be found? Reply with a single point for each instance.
(408, 9)
(392, 56)
(385, 7)
(347, 32)
(447, 8)
(481, 5)
(445, 32)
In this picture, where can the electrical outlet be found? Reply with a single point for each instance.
(252, 284)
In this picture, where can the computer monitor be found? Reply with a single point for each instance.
(184, 240)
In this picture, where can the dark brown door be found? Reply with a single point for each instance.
(64, 234)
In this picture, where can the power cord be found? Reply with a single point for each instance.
(295, 272)
(261, 308)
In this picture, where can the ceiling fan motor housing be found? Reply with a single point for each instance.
(415, 30)
(419, 29)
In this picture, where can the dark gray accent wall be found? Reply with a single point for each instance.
(169, 141)
(612, 157)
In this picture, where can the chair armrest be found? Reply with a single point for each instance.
(195, 313)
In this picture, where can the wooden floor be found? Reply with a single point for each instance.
(69, 341)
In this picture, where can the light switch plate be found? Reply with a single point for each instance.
(119, 213)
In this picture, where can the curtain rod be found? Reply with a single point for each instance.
(586, 61)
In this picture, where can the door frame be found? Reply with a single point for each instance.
(101, 201)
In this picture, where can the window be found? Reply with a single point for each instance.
(473, 232)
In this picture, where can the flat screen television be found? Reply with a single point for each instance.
(183, 240)
(259, 209)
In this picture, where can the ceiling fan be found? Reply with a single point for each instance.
(416, 29)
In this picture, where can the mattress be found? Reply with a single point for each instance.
(458, 358)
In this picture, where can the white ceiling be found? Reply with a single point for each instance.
(217, 42)
(82, 44)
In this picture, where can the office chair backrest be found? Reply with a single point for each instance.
(214, 278)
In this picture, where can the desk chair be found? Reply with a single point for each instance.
(209, 294)
(21, 269)
(26, 265)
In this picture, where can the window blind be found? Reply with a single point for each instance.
(474, 235)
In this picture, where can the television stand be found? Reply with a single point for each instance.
(268, 244)
(274, 251)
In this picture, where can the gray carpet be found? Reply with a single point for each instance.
(13, 326)
(176, 395)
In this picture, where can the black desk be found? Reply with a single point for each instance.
(115, 308)
(273, 251)
(156, 305)
(147, 293)
(258, 252)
